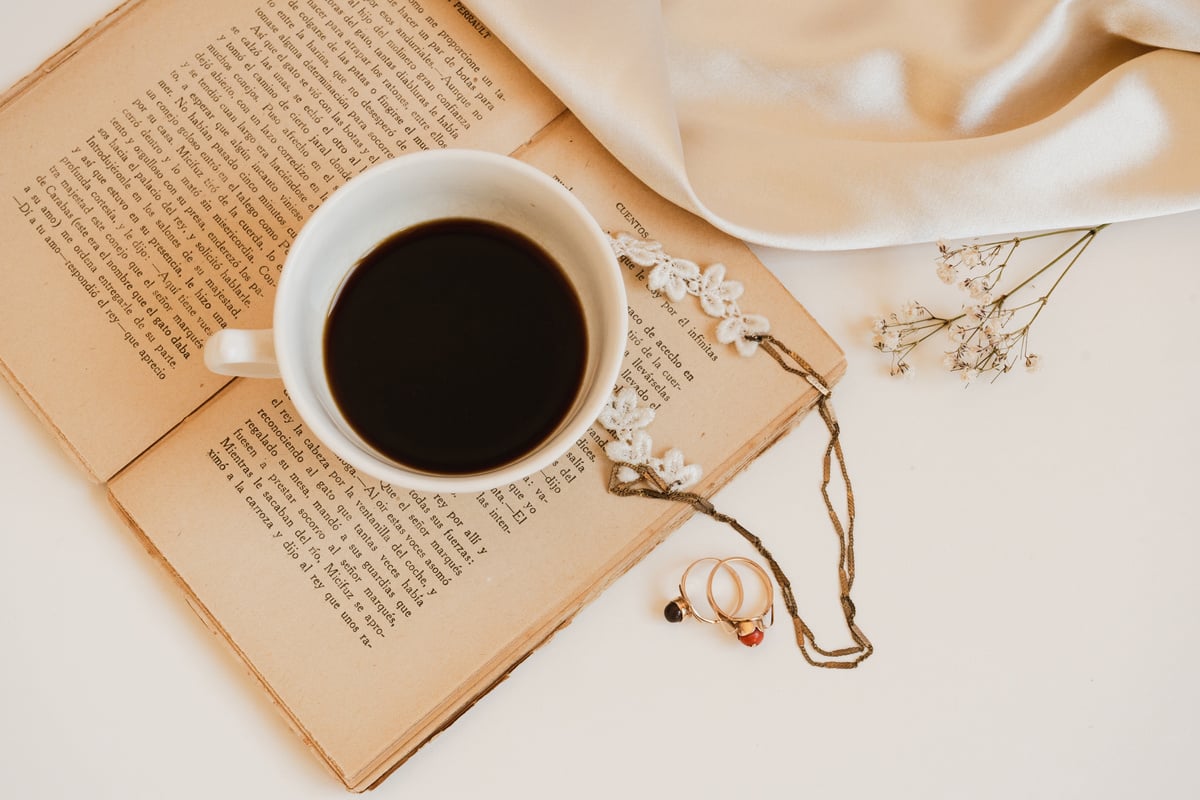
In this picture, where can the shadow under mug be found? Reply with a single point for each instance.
(397, 195)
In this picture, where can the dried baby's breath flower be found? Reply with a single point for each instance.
(913, 311)
(991, 333)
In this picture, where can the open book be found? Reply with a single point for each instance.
(155, 174)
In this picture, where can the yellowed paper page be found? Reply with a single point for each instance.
(153, 181)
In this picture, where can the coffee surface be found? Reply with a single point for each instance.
(455, 347)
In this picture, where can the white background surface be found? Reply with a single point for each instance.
(1027, 554)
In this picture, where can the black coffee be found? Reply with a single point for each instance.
(455, 346)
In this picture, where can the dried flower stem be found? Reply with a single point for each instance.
(991, 333)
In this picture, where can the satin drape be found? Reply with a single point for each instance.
(835, 124)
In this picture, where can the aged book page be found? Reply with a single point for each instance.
(375, 615)
(154, 178)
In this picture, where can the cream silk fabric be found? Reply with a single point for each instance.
(835, 124)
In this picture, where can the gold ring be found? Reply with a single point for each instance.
(748, 629)
(682, 607)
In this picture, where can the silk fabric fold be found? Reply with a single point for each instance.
(839, 124)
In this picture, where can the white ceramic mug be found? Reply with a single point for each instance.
(391, 197)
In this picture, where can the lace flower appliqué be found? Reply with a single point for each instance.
(632, 445)
(677, 277)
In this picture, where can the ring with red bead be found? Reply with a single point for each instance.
(750, 629)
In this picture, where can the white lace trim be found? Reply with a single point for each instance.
(677, 277)
(623, 417)
(627, 422)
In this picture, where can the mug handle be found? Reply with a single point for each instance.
(242, 353)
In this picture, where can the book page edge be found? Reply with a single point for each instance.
(40, 413)
(65, 53)
(214, 626)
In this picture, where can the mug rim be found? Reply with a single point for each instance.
(593, 393)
